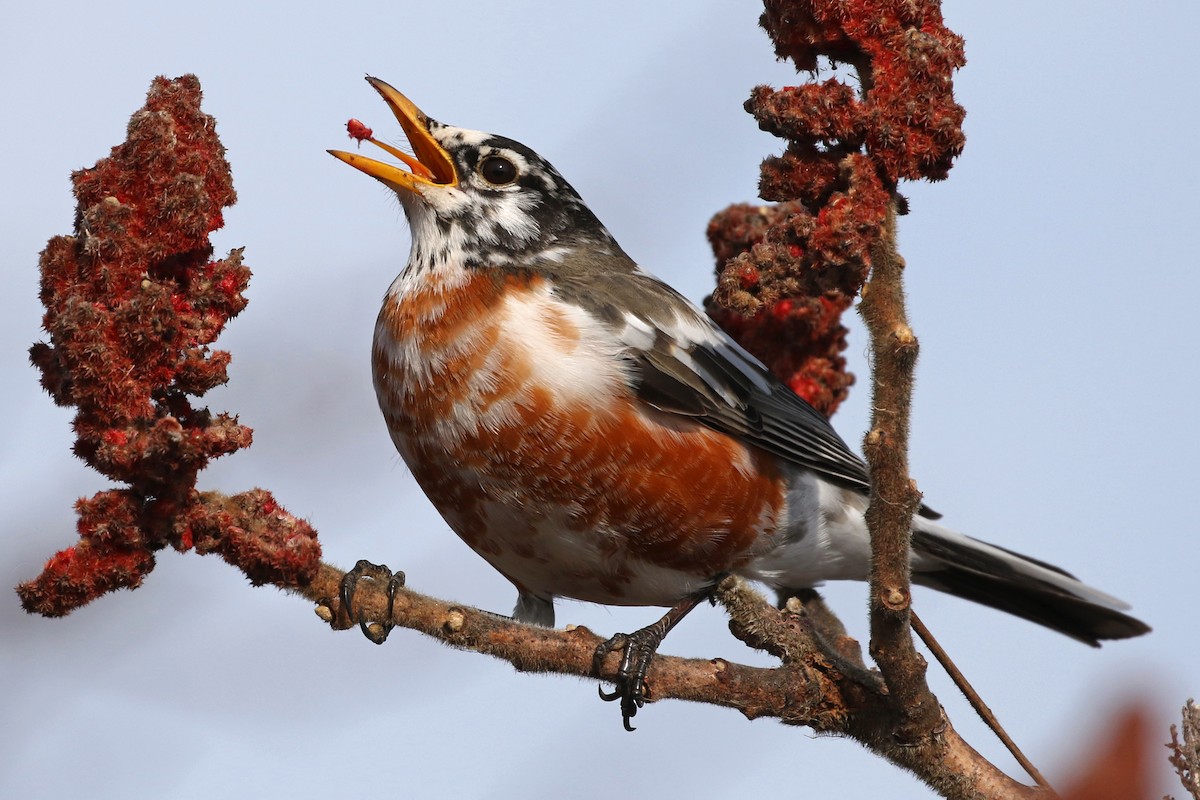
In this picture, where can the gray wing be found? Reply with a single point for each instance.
(692, 367)
(716, 382)
(684, 364)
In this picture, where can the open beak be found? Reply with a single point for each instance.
(432, 165)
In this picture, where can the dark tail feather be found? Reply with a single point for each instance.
(1020, 585)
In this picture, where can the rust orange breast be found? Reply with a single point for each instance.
(532, 473)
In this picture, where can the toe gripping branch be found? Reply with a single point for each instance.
(375, 630)
(640, 647)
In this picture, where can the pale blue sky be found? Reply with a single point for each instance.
(1052, 282)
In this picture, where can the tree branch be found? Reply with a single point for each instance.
(816, 686)
(894, 496)
(1185, 755)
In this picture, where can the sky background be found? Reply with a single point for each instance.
(1052, 281)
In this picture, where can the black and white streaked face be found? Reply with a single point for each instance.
(509, 206)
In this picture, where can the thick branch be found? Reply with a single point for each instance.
(816, 686)
(894, 496)
(755, 691)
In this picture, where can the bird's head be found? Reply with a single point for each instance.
(477, 198)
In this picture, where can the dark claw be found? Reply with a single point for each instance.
(376, 631)
(639, 647)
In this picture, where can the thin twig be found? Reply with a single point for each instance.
(981, 708)
(1185, 755)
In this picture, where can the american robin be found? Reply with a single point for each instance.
(593, 435)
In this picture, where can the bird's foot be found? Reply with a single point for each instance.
(639, 649)
(375, 630)
(630, 681)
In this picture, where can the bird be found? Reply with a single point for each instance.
(593, 435)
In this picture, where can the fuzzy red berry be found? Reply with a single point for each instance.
(358, 131)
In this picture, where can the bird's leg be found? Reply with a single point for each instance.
(639, 647)
(377, 632)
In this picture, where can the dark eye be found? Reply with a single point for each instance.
(498, 170)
